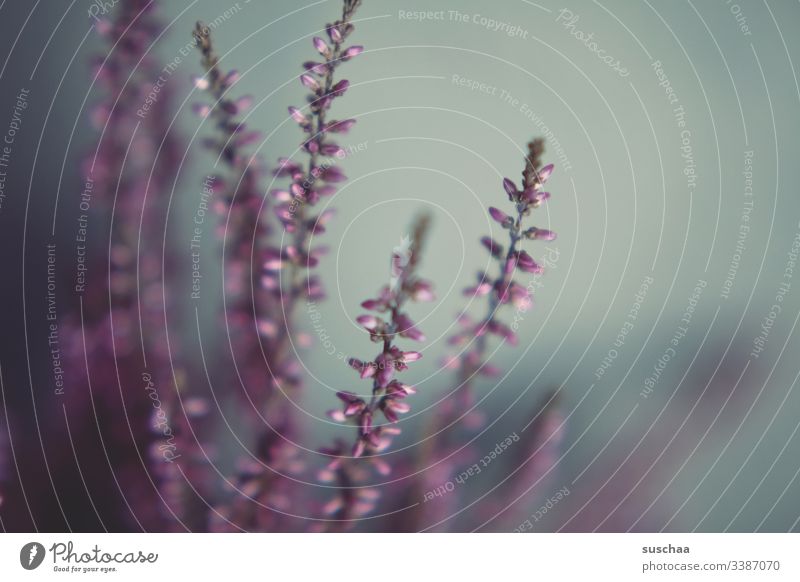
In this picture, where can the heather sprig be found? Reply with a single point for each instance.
(320, 175)
(252, 310)
(240, 189)
(502, 289)
(388, 323)
(442, 453)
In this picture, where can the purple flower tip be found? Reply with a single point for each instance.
(346, 397)
(527, 264)
(321, 46)
(510, 187)
(298, 116)
(334, 34)
(342, 126)
(544, 173)
(353, 51)
(309, 82)
(540, 234)
(369, 322)
(340, 87)
(492, 246)
(499, 215)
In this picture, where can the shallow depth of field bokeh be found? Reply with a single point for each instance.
(666, 318)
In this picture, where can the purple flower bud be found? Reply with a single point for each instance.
(478, 290)
(298, 116)
(342, 126)
(373, 304)
(316, 68)
(322, 47)
(510, 265)
(399, 407)
(281, 195)
(527, 264)
(340, 87)
(354, 407)
(408, 329)
(499, 216)
(272, 260)
(297, 190)
(346, 397)
(332, 174)
(411, 356)
(405, 388)
(334, 34)
(369, 322)
(336, 415)
(311, 145)
(534, 233)
(422, 291)
(543, 174)
(492, 246)
(351, 52)
(366, 422)
(388, 412)
(287, 167)
(539, 198)
(309, 82)
(331, 149)
(503, 331)
(511, 188)
(519, 296)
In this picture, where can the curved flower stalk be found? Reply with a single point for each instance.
(385, 326)
(274, 305)
(443, 454)
(253, 312)
(239, 198)
(502, 290)
(289, 266)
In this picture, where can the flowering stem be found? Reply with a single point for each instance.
(387, 393)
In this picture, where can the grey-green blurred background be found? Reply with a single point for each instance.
(445, 107)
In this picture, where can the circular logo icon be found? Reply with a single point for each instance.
(31, 555)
